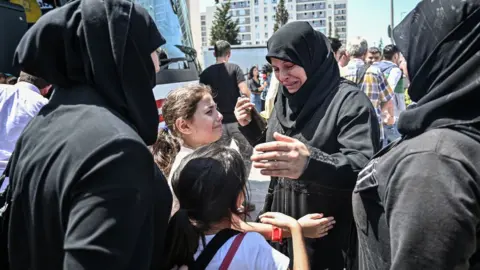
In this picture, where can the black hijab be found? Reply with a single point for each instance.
(298, 43)
(441, 41)
(102, 44)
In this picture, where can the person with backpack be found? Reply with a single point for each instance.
(371, 81)
(389, 66)
(211, 186)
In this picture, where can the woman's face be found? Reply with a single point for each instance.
(290, 75)
(206, 123)
(255, 72)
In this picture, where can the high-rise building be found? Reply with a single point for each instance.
(256, 18)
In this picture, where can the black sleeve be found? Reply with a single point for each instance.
(358, 136)
(431, 206)
(203, 78)
(255, 132)
(240, 75)
(110, 223)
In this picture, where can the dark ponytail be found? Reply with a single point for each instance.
(207, 183)
(164, 150)
(182, 240)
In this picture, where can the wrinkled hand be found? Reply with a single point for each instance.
(243, 111)
(279, 220)
(315, 225)
(286, 157)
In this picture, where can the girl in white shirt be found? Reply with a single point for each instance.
(192, 120)
(210, 185)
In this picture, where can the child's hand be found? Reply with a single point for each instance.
(315, 225)
(280, 220)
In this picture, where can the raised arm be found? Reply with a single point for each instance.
(358, 138)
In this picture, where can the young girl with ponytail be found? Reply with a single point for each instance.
(192, 121)
(210, 185)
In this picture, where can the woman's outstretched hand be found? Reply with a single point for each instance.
(243, 111)
(285, 157)
(315, 225)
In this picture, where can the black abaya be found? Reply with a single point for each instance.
(86, 192)
(338, 124)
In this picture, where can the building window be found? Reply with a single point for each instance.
(257, 35)
(265, 9)
(266, 35)
(255, 2)
(265, 18)
(257, 19)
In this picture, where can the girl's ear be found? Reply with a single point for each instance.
(240, 200)
(183, 126)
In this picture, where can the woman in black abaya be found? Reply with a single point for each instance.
(417, 204)
(86, 192)
(322, 132)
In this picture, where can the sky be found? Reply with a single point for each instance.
(366, 18)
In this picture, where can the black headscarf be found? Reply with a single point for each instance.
(102, 44)
(298, 43)
(441, 41)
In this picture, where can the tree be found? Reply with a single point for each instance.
(380, 44)
(281, 17)
(224, 28)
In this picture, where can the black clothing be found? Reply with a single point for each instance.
(106, 45)
(338, 124)
(254, 86)
(342, 135)
(224, 78)
(86, 192)
(416, 205)
(298, 43)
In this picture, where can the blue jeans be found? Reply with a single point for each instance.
(256, 99)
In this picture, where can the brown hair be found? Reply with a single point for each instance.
(180, 103)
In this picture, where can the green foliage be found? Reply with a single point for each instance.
(408, 101)
(224, 27)
(281, 17)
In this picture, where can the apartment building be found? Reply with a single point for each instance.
(256, 18)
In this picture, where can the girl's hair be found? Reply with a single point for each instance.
(207, 185)
(250, 72)
(180, 103)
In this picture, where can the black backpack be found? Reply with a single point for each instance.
(5, 199)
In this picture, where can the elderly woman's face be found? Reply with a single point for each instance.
(290, 75)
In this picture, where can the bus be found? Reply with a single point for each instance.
(178, 59)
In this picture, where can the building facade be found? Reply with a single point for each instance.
(256, 18)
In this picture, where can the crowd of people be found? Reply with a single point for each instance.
(358, 180)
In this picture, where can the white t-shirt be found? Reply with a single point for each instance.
(184, 151)
(253, 253)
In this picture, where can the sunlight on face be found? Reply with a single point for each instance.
(206, 123)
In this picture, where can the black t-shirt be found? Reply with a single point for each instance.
(224, 78)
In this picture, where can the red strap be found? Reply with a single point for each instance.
(231, 252)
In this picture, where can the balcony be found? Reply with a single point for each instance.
(304, 1)
(308, 7)
(310, 15)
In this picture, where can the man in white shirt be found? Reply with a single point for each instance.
(19, 103)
